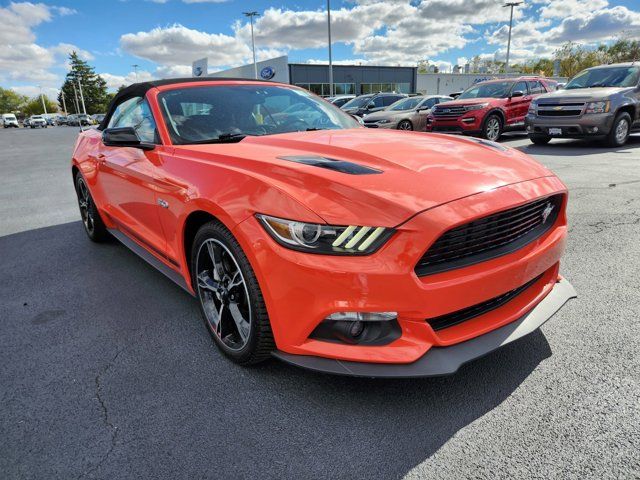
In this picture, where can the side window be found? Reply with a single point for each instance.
(536, 87)
(135, 113)
(520, 86)
(377, 102)
(388, 100)
(429, 103)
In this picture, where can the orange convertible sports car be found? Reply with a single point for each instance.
(328, 245)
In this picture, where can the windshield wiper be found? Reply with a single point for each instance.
(223, 138)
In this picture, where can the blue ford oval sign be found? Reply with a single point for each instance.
(267, 73)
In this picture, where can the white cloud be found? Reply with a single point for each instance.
(179, 45)
(569, 8)
(21, 59)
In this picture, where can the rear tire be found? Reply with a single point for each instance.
(230, 298)
(93, 224)
(492, 128)
(538, 140)
(620, 130)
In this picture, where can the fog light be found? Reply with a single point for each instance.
(362, 328)
(363, 316)
(356, 329)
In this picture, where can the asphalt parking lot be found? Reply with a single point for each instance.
(108, 371)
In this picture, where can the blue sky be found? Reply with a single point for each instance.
(164, 36)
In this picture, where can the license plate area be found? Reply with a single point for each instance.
(555, 131)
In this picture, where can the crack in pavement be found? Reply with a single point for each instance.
(601, 226)
(105, 417)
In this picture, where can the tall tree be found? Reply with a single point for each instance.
(10, 101)
(94, 88)
(34, 106)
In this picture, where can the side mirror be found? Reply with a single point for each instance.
(517, 93)
(124, 137)
(371, 106)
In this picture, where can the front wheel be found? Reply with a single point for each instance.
(405, 125)
(540, 140)
(93, 224)
(492, 128)
(230, 298)
(619, 133)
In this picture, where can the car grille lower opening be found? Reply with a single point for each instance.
(460, 316)
(491, 236)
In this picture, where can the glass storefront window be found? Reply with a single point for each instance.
(324, 89)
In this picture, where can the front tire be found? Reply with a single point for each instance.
(93, 224)
(620, 130)
(540, 140)
(492, 128)
(405, 125)
(230, 299)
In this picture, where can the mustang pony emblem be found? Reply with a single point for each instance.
(546, 212)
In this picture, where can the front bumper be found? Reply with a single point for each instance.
(469, 123)
(302, 289)
(440, 361)
(584, 126)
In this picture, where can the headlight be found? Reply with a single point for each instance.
(597, 107)
(479, 106)
(384, 121)
(325, 239)
(532, 107)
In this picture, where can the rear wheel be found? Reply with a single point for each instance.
(405, 125)
(492, 128)
(540, 140)
(93, 224)
(620, 130)
(230, 298)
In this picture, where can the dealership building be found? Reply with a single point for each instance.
(355, 79)
(347, 79)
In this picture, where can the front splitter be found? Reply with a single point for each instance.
(440, 361)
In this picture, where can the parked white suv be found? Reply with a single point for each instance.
(9, 120)
(37, 121)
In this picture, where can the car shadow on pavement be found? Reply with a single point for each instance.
(108, 371)
(577, 148)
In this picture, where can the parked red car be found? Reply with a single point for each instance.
(310, 238)
(489, 108)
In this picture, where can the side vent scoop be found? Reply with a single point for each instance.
(332, 164)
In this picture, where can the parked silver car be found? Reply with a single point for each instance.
(406, 114)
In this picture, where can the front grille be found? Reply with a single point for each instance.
(560, 109)
(449, 112)
(455, 318)
(490, 237)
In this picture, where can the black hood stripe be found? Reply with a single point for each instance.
(341, 166)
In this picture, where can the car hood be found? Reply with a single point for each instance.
(419, 171)
(386, 115)
(467, 101)
(583, 93)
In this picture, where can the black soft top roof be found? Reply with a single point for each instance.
(141, 89)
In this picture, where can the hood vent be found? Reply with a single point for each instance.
(332, 164)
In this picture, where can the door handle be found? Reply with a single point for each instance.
(101, 158)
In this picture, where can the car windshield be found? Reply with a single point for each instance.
(226, 113)
(358, 102)
(406, 104)
(605, 77)
(487, 90)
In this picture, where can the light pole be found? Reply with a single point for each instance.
(330, 57)
(82, 96)
(253, 42)
(510, 4)
(44, 107)
(64, 104)
(135, 70)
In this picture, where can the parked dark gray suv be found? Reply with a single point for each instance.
(600, 102)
